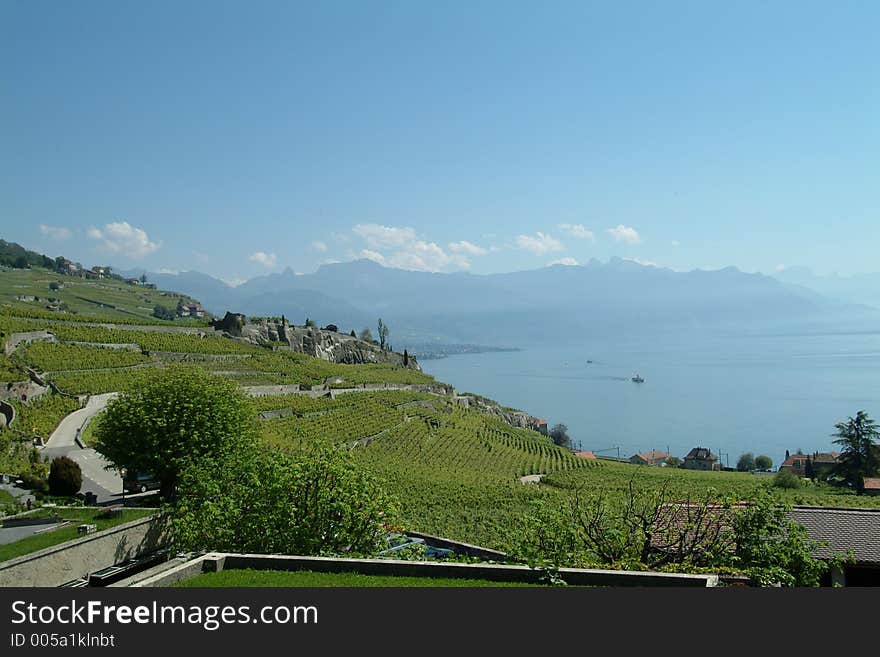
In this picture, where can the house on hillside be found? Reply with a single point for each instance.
(91, 274)
(101, 271)
(67, 267)
(701, 458)
(586, 454)
(539, 424)
(653, 457)
(821, 463)
(872, 487)
(189, 309)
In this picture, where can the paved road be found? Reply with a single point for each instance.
(105, 484)
(66, 432)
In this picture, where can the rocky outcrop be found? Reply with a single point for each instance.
(510, 416)
(310, 340)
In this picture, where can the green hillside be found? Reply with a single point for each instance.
(45, 294)
(455, 471)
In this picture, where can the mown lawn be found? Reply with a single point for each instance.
(77, 517)
(308, 578)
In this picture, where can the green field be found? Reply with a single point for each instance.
(104, 300)
(454, 471)
(68, 532)
(308, 578)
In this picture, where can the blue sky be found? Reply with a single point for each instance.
(241, 138)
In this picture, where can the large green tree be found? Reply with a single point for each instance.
(859, 458)
(746, 462)
(178, 416)
(316, 502)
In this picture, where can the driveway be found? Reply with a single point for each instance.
(66, 432)
(105, 484)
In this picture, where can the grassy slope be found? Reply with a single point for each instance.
(307, 578)
(454, 471)
(69, 532)
(95, 300)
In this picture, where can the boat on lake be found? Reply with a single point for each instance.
(637, 379)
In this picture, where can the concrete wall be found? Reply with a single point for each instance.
(61, 563)
(500, 573)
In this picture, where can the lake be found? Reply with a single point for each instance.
(733, 393)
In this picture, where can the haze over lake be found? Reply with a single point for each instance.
(763, 392)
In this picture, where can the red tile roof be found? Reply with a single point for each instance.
(589, 455)
(872, 483)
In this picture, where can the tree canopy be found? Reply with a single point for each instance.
(177, 416)
(859, 457)
(559, 435)
(746, 462)
(316, 502)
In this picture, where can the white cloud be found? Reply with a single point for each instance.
(780, 268)
(466, 247)
(427, 256)
(375, 256)
(541, 244)
(385, 237)
(319, 246)
(173, 272)
(234, 282)
(330, 261)
(123, 238)
(400, 247)
(55, 232)
(267, 260)
(568, 262)
(625, 234)
(577, 230)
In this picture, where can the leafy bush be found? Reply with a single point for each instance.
(786, 479)
(65, 477)
(35, 483)
(319, 502)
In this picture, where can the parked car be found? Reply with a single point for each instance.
(139, 482)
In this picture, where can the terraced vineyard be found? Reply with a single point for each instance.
(49, 357)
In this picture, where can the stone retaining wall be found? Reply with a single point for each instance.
(62, 563)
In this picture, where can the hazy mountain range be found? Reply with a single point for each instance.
(859, 288)
(563, 303)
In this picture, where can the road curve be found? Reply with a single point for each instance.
(66, 431)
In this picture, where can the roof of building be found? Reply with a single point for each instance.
(838, 529)
(843, 529)
(585, 454)
(701, 453)
(815, 457)
(872, 483)
(653, 455)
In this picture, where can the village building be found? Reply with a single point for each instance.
(652, 457)
(872, 487)
(701, 458)
(821, 462)
(189, 309)
(841, 530)
(586, 454)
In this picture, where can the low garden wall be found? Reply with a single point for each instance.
(62, 563)
(214, 562)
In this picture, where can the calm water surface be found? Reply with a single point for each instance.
(732, 393)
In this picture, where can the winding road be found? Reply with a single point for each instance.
(105, 483)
